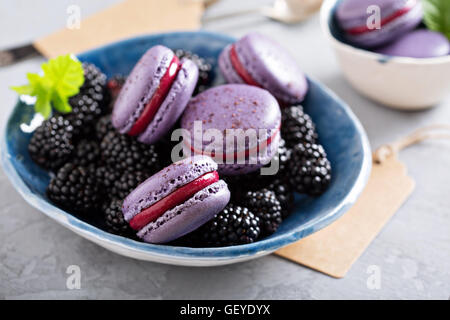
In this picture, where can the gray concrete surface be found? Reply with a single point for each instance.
(412, 251)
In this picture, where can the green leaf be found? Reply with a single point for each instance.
(62, 78)
(437, 15)
(43, 106)
(66, 75)
(61, 104)
(25, 89)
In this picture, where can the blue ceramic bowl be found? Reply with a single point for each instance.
(340, 132)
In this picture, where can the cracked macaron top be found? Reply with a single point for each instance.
(154, 94)
(260, 61)
(236, 107)
(233, 123)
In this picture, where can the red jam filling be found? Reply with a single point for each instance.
(157, 99)
(175, 198)
(396, 14)
(239, 68)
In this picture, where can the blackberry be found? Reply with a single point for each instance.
(127, 182)
(284, 157)
(310, 170)
(85, 111)
(234, 225)
(284, 194)
(115, 222)
(107, 178)
(94, 84)
(265, 205)
(103, 126)
(74, 188)
(123, 153)
(240, 184)
(204, 69)
(86, 153)
(51, 144)
(297, 126)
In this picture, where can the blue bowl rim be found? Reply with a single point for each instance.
(219, 253)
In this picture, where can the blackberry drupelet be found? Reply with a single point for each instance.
(204, 69)
(310, 170)
(265, 205)
(297, 126)
(74, 188)
(87, 153)
(234, 225)
(127, 182)
(103, 126)
(124, 153)
(115, 222)
(51, 144)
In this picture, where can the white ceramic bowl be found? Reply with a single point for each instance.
(398, 82)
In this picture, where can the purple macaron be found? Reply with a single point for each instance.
(358, 20)
(259, 61)
(177, 200)
(238, 125)
(154, 95)
(418, 44)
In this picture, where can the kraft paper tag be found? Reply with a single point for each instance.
(335, 248)
(126, 19)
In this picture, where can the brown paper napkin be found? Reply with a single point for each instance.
(335, 248)
(126, 19)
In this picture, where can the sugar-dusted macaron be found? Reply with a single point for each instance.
(154, 94)
(260, 61)
(420, 43)
(236, 124)
(357, 19)
(177, 200)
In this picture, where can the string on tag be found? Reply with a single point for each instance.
(435, 131)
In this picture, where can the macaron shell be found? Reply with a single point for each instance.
(140, 86)
(226, 67)
(418, 44)
(387, 32)
(272, 67)
(165, 182)
(260, 161)
(232, 106)
(188, 216)
(174, 103)
(353, 13)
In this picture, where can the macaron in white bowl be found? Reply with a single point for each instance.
(398, 82)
